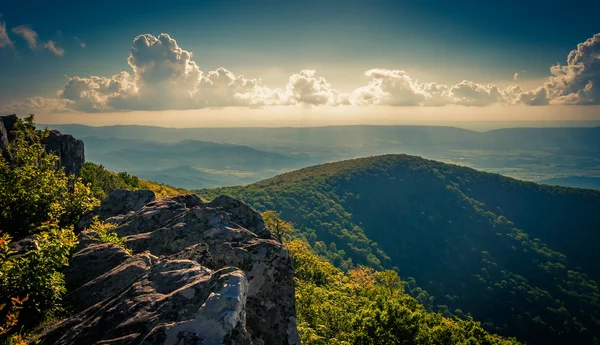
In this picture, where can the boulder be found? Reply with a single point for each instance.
(192, 273)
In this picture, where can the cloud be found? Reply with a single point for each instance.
(577, 82)
(305, 88)
(51, 46)
(28, 34)
(397, 88)
(4, 39)
(516, 76)
(389, 87)
(164, 76)
(35, 105)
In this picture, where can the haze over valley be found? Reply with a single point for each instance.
(211, 157)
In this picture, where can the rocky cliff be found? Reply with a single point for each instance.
(193, 273)
(68, 149)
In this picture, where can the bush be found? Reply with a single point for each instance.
(104, 182)
(105, 233)
(37, 200)
(34, 191)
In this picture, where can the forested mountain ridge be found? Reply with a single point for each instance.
(513, 254)
(122, 299)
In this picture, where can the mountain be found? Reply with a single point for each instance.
(530, 154)
(515, 255)
(136, 154)
(190, 163)
(589, 182)
(357, 136)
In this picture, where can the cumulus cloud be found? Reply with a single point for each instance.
(397, 88)
(51, 46)
(164, 76)
(306, 88)
(577, 82)
(28, 34)
(4, 39)
(389, 87)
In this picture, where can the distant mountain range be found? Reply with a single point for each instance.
(518, 256)
(574, 181)
(230, 156)
(357, 136)
(190, 163)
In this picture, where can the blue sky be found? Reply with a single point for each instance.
(482, 42)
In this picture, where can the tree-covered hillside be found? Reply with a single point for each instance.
(515, 255)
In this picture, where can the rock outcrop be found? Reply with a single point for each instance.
(192, 273)
(6, 125)
(68, 149)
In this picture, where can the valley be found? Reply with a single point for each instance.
(216, 157)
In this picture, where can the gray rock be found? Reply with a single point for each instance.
(119, 203)
(69, 150)
(195, 275)
(242, 214)
(6, 125)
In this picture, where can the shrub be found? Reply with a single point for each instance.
(34, 191)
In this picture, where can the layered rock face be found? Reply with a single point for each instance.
(68, 149)
(195, 273)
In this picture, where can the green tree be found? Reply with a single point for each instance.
(37, 201)
(33, 190)
(281, 229)
(390, 280)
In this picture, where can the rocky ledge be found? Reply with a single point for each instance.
(68, 149)
(192, 273)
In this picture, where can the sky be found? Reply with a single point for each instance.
(300, 63)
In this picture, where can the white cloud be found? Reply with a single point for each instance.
(578, 82)
(397, 88)
(28, 34)
(94, 94)
(389, 87)
(35, 105)
(51, 46)
(165, 77)
(4, 39)
(305, 88)
(472, 94)
(516, 76)
(222, 88)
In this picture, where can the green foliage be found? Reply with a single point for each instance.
(281, 229)
(103, 182)
(105, 233)
(33, 191)
(368, 307)
(513, 254)
(37, 201)
(35, 275)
